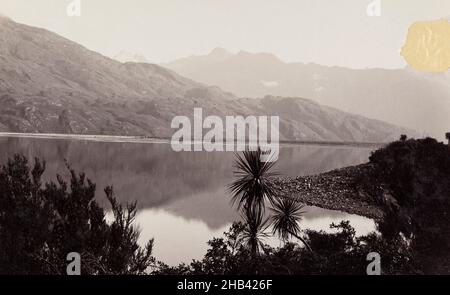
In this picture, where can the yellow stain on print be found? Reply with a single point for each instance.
(427, 46)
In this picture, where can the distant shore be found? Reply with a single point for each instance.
(86, 137)
(150, 139)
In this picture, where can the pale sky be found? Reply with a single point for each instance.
(328, 32)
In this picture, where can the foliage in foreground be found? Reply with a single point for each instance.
(40, 224)
(340, 252)
(410, 180)
(413, 182)
(251, 191)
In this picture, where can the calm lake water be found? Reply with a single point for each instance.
(182, 197)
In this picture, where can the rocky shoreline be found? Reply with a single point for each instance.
(334, 190)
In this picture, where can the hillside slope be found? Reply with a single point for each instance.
(53, 85)
(404, 97)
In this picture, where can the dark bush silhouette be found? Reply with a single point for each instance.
(41, 223)
(416, 175)
(339, 253)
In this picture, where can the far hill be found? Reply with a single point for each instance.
(405, 97)
(49, 84)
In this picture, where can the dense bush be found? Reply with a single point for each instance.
(41, 223)
(340, 252)
(416, 174)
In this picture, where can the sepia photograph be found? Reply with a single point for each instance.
(219, 138)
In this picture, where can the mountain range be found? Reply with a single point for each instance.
(53, 85)
(405, 97)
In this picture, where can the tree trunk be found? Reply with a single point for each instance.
(303, 241)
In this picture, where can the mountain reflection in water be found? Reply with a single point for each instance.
(182, 197)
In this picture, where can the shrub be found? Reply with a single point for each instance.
(41, 224)
(417, 175)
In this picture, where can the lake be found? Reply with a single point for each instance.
(182, 197)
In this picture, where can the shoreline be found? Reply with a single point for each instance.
(333, 190)
(166, 140)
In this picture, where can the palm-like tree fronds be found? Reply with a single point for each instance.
(286, 215)
(252, 186)
(255, 230)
